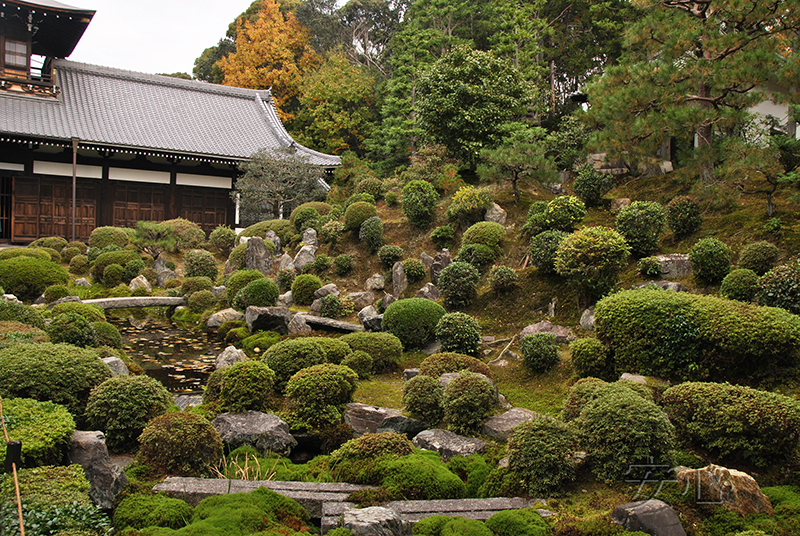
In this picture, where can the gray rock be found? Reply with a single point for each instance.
(636, 378)
(39, 300)
(361, 299)
(218, 291)
(306, 255)
(433, 347)
(496, 214)
(427, 260)
(82, 282)
(187, 401)
(400, 424)
(229, 356)
(652, 516)
(500, 426)
(674, 265)
(563, 335)
(363, 418)
(274, 238)
(310, 237)
(448, 444)
(258, 257)
(329, 324)
(117, 366)
(286, 263)
(587, 319)
(138, 301)
(65, 299)
(262, 431)
(228, 269)
(666, 285)
(375, 521)
(285, 299)
(140, 281)
(88, 449)
(375, 282)
(330, 288)
(399, 279)
(388, 299)
(226, 315)
(367, 312)
(373, 323)
(165, 275)
(440, 262)
(315, 307)
(268, 319)
(159, 265)
(620, 203)
(410, 373)
(10, 298)
(298, 325)
(429, 292)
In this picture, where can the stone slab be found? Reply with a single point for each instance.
(328, 324)
(138, 301)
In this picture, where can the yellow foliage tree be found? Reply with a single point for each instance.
(272, 51)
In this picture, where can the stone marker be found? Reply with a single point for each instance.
(323, 291)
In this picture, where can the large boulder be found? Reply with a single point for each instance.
(363, 418)
(310, 237)
(400, 424)
(733, 489)
(165, 275)
(306, 255)
(448, 444)
(320, 323)
(440, 261)
(117, 366)
(285, 263)
(399, 279)
(563, 335)
(674, 265)
(375, 521)
(262, 431)
(496, 214)
(587, 319)
(373, 323)
(367, 312)
(375, 282)
(361, 299)
(268, 319)
(226, 315)
(88, 449)
(325, 290)
(258, 257)
(653, 517)
(429, 292)
(140, 281)
(298, 325)
(500, 426)
(229, 356)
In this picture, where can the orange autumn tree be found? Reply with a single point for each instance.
(273, 51)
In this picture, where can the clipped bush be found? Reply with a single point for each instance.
(38, 371)
(106, 334)
(525, 522)
(331, 232)
(540, 453)
(331, 306)
(28, 277)
(79, 265)
(371, 233)
(358, 213)
(443, 236)
(132, 269)
(591, 184)
(389, 255)
(262, 292)
(285, 278)
(190, 285)
(292, 355)
(469, 205)
(55, 292)
(460, 333)
(467, 401)
(239, 279)
(200, 263)
(590, 357)
(93, 253)
(478, 255)
(422, 399)
(371, 446)
(539, 352)
(384, 348)
(488, 233)
(359, 197)
(71, 328)
(306, 218)
(200, 301)
(121, 257)
(414, 270)
(641, 223)
(122, 406)
(92, 313)
(246, 386)
(564, 213)
(710, 260)
(371, 186)
(189, 234)
(318, 394)
(735, 422)
(419, 201)
(56, 243)
(113, 274)
(413, 320)
(543, 250)
(55, 256)
(445, 362)
(44, 428)
(391, 198)
(321, 207)
(458, 283)
(106, 236)
(740, 284)
(142, 511)
(649, 267)
(759, 257)
(683, 216)
(82, 247)
(36, 253)
(321, 264)
(222, 240)
(780, 287)
(21, 313)
(592, 259)
(360, 362)
(586, 390)
(343, 264)
(181, 444)
(303, 288)
(238, 257)
(503, 279)
(69, 253)
(259, 342)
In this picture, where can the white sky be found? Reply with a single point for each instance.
(153, 36)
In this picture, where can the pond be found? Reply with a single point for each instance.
(181, 359)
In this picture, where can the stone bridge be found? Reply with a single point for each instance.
(137, 301)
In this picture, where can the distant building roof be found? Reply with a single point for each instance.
(116, 108)
(56, 28)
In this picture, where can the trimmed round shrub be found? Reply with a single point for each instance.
(90, 312)
(389, 255)
(419, 202)
(79, 265)
(458, 283)
(503, 279)
(303, 288)
(591, 184)
(460, 333)
(36, 253)
(526, 522)
(200, 301)
(641, 223)
(343, 264)
(69, 253)
(56, 243)
(292, 355)
(649, 267)
(413, 320)
(28, 277)
(190, 285)
(443, 235)
(106, 334)
(142, 511)
(590, 357)
(540, 454)
(122, 407)
(780, 287)
(259, 342)
(414, 270)
(319, 393)
(331, 232)
(19, 312)
(262, 292)
(284, 278)
(759, 257)
(543, 250)
(246, 386)
(358, 213)
(321, 207)
(445, 362)
(71, 328)
(79, 245)
(44, 428)
(391, 198)
(418, 477)
(422, 399)
(371, 186)
(335, 348)
(710, 260)
(734, 421)
(321, 264)
(237, 257)
(371, 233)
(106, 236)
(384, 348)
(200, 263)
(539, 352)
(741, 284)
(188, 233)
(620, 429)
(683, 216)
(306, 218)
(582, 392)
(592, 259)
(55, 256)
(222, 240)
(488, 233)
(239, 279)
(564, 213)
(132, 269)
(371, 446)
(121, 257)
(113, 274)
(38, 371)
(361, 363)
(181, 444)
(331, 306)
(478, 255)
(55, 292)
(467, 401)
(469, 205)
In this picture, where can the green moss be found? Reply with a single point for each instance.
(141, 511)
(44, 428)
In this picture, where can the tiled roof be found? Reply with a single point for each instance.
(117, 108)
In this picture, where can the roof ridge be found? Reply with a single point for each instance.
(161, 80)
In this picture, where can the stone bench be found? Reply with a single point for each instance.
(137, 301)
(310, 495)
(413, 511)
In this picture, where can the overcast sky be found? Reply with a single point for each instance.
(153, 36)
